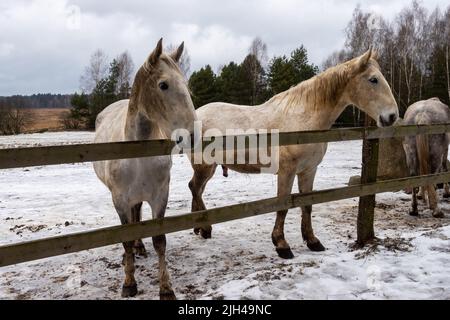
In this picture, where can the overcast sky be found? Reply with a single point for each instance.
(45, 44)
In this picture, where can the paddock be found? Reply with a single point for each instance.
(238, 262)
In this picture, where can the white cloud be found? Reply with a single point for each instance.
(6, 49)
(45, 44)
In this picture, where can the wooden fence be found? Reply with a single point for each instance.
(36, 156)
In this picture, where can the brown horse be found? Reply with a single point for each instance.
(427, 154)
(312, 105)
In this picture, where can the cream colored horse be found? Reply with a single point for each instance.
(427, 154)
(312, 105)
(160, 103)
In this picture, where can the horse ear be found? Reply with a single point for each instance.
(154, 56)
(375, 54)
(177, 54)
(363, 60)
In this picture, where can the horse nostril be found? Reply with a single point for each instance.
(389, 120)
(392, 118)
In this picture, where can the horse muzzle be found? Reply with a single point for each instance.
(387, 120)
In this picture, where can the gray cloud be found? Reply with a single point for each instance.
(45, 44)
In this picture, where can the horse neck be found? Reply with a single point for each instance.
(139, 127)
(306, 114)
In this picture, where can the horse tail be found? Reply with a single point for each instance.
(423, 154)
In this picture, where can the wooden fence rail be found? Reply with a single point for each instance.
(43, 248)
(38, 249)
(37, 156)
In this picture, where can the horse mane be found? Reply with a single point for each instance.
(322, 90)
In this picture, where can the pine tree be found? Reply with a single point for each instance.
(228, 84)
(80, 107)
(303, 69)
(282, 75)
(203, 86)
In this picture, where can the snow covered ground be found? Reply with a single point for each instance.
(239, 262)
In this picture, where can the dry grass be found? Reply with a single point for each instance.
(45, 119)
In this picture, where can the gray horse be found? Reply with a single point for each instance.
(427, 154)
(160, 104)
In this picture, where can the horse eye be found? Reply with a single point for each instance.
(374, 80)
(163, 86)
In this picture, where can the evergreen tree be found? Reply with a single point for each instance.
(282, 75)
(436, 81)
(105, 93)
(303, 69)
(203, 86)
(228, 86)
(80, 107)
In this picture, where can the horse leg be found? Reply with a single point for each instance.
(285, 182)
(129, 288)
(445, 169)
(437, 165)
(136, 216)
(446, 191)
(159, 243)
(202, 174)
(433, 202)
(305, 185)
(414, 212)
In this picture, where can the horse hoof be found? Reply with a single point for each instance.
(413, 213)
(315, 246)
(285, 253)
(140, 251)
(129, 291)
(168, 295)
(206, 234)
(196, 231)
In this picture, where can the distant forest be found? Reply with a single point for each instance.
(45, 100)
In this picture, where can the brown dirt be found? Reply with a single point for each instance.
(38, 120)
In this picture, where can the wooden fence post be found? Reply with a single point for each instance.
(366, 210)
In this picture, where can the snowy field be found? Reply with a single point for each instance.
(239, 262)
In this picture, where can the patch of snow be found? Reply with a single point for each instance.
(239, 262)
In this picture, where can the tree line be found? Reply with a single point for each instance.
(413, 52)
(13, 109)
(41, 100)
(252, 81)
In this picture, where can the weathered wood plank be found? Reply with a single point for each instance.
(38, 249)
(369, 174)
(37, 156)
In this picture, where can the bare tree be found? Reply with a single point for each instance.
(259, 49)
(335, 58)
(359, 36)
(126, 70)
(257, 64)
(95, 71)
(185, 60)
(12, 120)
(412, 43)
(447, 49)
